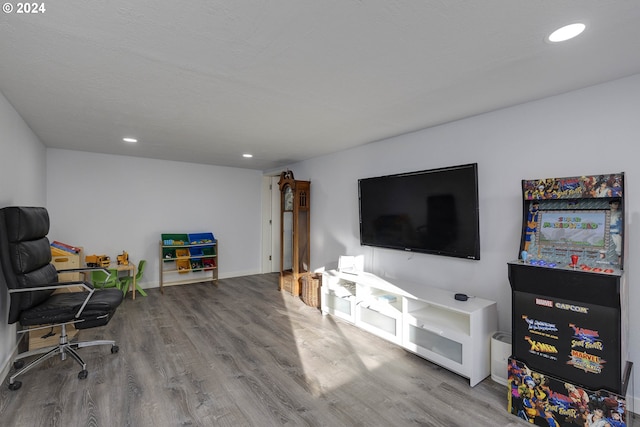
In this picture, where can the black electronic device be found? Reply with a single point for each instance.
(433, 211)
(461, 297)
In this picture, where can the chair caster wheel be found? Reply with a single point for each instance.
(114, 349)
(16, 385)
(83, 374)
(18, 364)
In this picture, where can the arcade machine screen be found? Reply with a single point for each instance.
(561, 234)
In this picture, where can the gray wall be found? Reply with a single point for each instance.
(590, 131)
(22, 182)
(107, 204)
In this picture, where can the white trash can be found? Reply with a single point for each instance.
(500, 352)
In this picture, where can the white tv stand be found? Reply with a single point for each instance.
(424, 320)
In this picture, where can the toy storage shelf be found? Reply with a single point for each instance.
(188, 258)
(427, 321)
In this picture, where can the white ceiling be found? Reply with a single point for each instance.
(286, 80)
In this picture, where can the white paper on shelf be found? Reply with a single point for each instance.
(351, 264)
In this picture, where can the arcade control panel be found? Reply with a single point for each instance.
(569, 266)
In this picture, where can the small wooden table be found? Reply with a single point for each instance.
(131, 269)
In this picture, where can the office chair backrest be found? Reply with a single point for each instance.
(25, 255)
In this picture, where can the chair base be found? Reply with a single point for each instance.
(63, 349)
(126, 284)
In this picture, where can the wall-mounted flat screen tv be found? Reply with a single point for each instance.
(433, 211)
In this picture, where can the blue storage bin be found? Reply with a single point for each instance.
(201, 238)
(196, 251)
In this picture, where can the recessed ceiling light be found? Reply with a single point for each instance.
(247, 155)
(132, 140)
(567, 32)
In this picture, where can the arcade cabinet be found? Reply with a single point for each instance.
(569, 358)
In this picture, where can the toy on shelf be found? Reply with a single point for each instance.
(66, 247)
(123, 258)
(97, 261)
(201, 241)
(171, 242)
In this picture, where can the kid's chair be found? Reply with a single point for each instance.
(125, 282)
(101, 280)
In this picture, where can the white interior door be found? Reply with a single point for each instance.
(270, 224)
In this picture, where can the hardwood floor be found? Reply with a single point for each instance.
(244, 354)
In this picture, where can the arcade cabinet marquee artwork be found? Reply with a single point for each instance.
(569, 358)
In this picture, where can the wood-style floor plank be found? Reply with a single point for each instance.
(245, 354)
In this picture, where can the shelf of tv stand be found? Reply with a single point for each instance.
(424, 320)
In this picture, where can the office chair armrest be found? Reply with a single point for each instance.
(83, 269)
(55, 285)
(62, 285)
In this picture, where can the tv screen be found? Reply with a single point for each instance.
(432, 211)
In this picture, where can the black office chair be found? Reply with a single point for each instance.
(25, 264)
